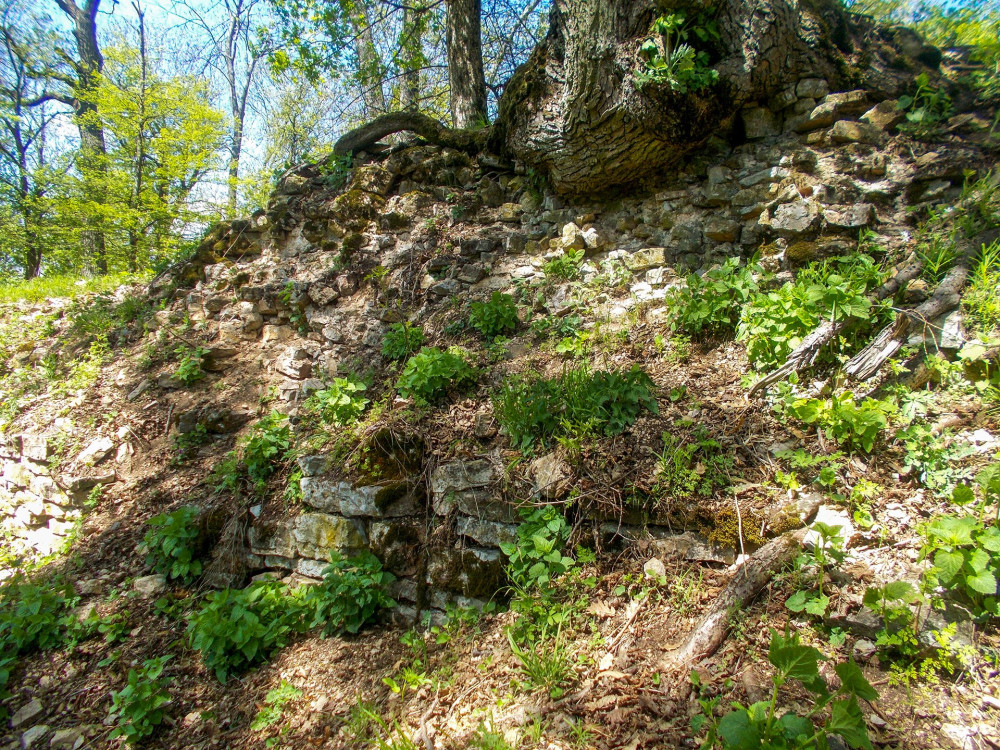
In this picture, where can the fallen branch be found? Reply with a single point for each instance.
(469, 141)
(805, 354)
(746, 583)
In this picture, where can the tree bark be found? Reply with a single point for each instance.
(465, 63)
(577, 112)
(93, 151)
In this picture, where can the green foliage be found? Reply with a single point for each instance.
(546, 664)
(937, 254)
(551, 325)
(65, 286)
(350, 594)
(495, 317)
(925, 109)
(237, 628)
(981, 298)
(692, 464)
(537, 557)
(339, 403)
(33, 616)
(772, 324)
(852, 423)
(891, 603)
(578, 401)
(827, 549)
(291, 298)
(760, 726)
(336, 170)
(965, 549)
(565, 267)
(671, 61)
(170, 544)
(138, 708)
(191, 366)
(275, 702)
(429, 374)
(268, 445)
(401, 340)
(935, 459)
(711, 304)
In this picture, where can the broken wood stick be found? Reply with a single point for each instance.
(745, 584)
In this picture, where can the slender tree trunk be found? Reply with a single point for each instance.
(370, 74)
(93, 151)
(411, 41)
(134, 235)
(465, 63)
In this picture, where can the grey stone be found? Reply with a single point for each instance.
(937, 620)
(849, 217)
(294, 363)
(792, 219)
(487, 533)
(26, 713)
(773, 174)
(550, 476)
(312, 466)
(721, 229)
(833, 108)
(812, 88)
(655, 569)
(318, 534)
(845, 131)
(151, 586)
(272, 539)
(33, 736)
(98, 450)
(760, 122)
(460, 476)
(68, 739)
(649, 257)
(446, 288)
(863, 649)
(885, 115)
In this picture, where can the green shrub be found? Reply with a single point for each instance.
(350, 594)
(495, 317)
(401, 340)
(237, 628)
(429, 374)
(935, 460)
(926, 108)
(981, 298)
(669, 59)
(711, 304)
(274, 706)
(845, 420)
(565, 266)
(965, 549)
(536, 558)
(578, 401)
(772, 324)
(268, 445)
(340, 402)
(827, 549)
(191, 367)
(170, 544)
(760, 726)
(138, 708)
(692, 464)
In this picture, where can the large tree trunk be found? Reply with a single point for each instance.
(93, 152)
(577, 111)
(465, 63)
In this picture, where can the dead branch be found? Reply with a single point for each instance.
(745, 584)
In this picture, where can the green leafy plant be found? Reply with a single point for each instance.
(827, 549)
(710, 304)
(565, 266)
(760, 726)
(691, 464)
(845, 420)
(935, 459)
(965, 549)
(170, 545)
(537, 557)
(671, 61)
(536, 409)
(925, 108)
(351, 593)
(891, 602)
(429, 374)
(547, 664)
(293, 299)
(191, 366)
(237, 628)
(401, 340)
(138, 708)
(495, 317)
(268, 445)
(341, 402)
(275, 703)
(335, 170)
(981, 298)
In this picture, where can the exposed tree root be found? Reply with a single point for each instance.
(746, 583)
(469, 141)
